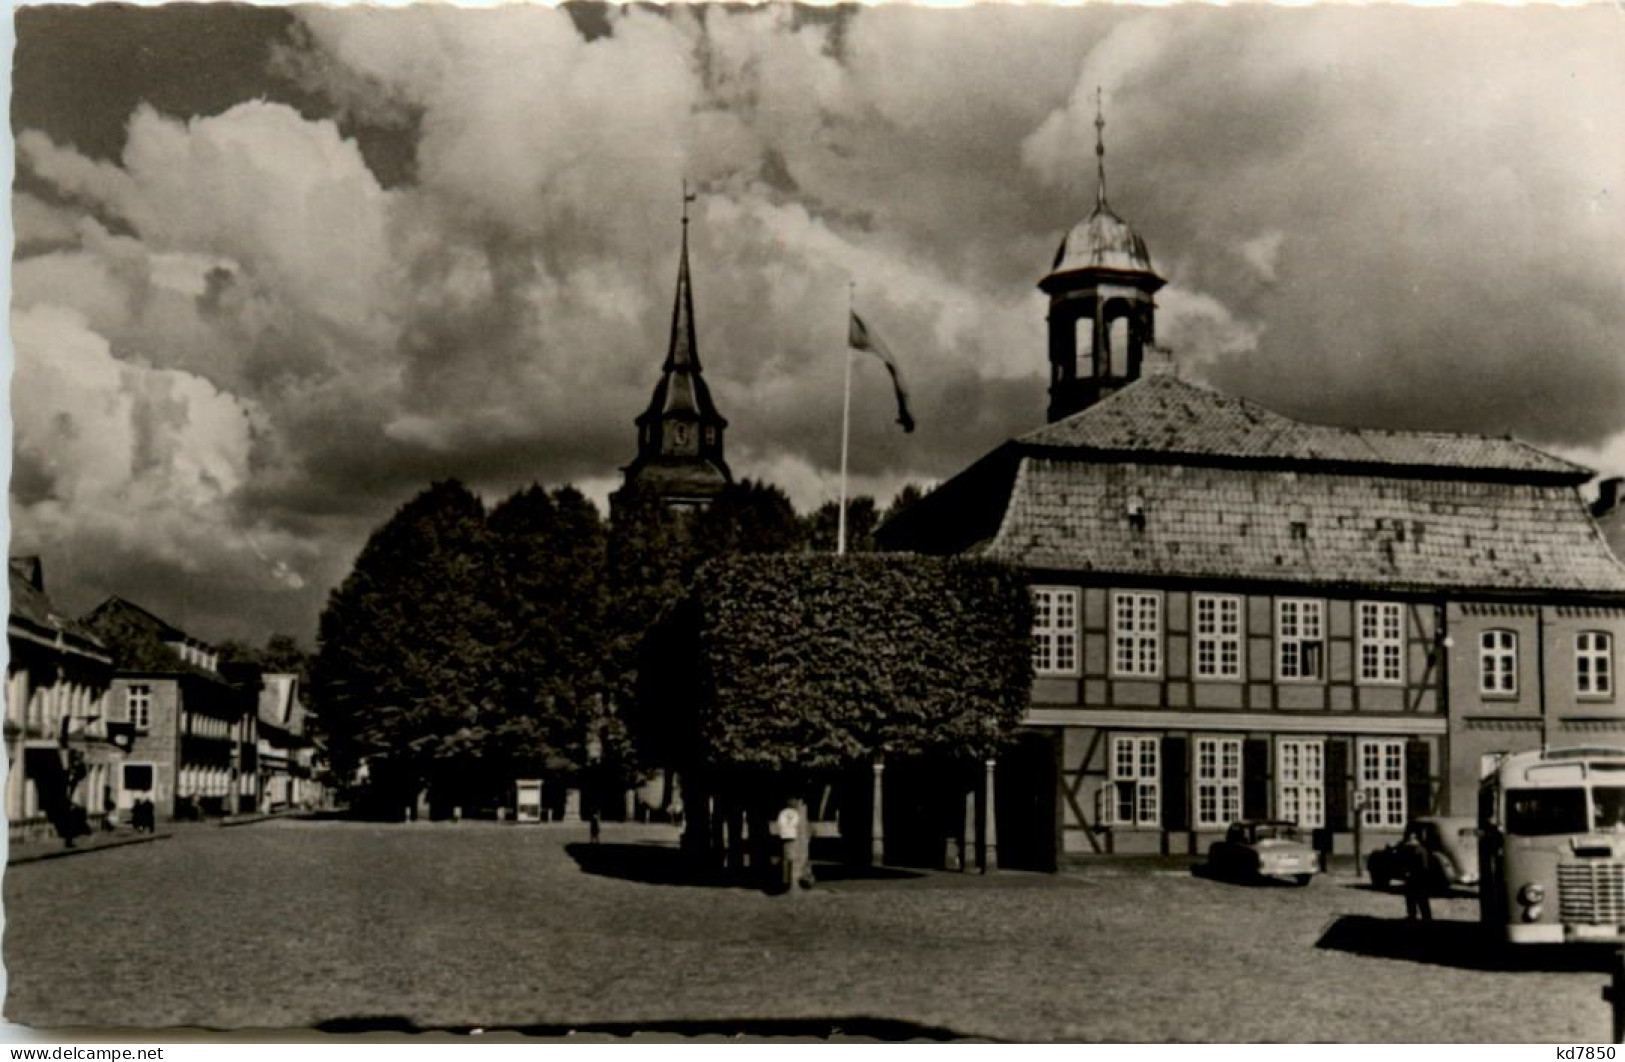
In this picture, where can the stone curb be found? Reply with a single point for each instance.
(59, 853)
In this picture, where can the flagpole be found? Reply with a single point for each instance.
(846, 424)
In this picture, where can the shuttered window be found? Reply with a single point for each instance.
(1136, 635)
(1382, 642)
(1594, 663)
(1498, 662)
(1218, 781)
(1300, 639)
(1135, 770)
(1382, 781)
(1055, 630)
(1301, 791)
(1216, 651)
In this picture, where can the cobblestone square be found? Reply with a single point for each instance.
(346, 926)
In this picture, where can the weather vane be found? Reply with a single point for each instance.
(1100, 149)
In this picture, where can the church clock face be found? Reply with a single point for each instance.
(679, 436)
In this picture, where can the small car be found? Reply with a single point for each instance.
(1263, 848)
(1453, 842)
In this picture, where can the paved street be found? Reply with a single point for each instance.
(351, 926)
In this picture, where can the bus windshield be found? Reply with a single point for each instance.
(1608, 802)
(1542, 812)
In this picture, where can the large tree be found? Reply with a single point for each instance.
(407, 665)
(549, 555)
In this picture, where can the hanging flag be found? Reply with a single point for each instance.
(860, 338)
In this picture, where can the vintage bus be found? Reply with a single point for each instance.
(1552, 846)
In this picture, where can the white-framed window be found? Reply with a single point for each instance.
(1381, 625)
(1136, 634)
(138, 706)
(1382, 780)
(1498, 662)
(1301, 772)
(1218, 781)
(1594, 663)
(1216, 649)
(1300, 639)
(1055, 630)
(1136, 769)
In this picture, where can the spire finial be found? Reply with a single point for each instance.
(688, 197)
(1100, 151)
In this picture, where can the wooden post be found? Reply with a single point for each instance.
(877, 819)
(967, 836)
(990, 827)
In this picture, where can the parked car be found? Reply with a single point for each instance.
(1453, 842)
(1263, 848)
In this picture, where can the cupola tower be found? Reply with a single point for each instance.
(1102, 310)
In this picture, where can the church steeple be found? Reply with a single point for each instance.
(680, 453)
(1102, 315)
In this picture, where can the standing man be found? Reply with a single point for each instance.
(794, 864)
(1417, 862)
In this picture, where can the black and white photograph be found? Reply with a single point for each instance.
(838, 524)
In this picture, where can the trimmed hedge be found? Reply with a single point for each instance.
(810, 661)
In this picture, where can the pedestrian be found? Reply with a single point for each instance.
(595, 826)
(788, 826)
(1418, 865)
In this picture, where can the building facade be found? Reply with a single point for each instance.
(1240, 615)
(57, 678)
(283, 748)
(195, 730)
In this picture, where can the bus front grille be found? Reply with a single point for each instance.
(1591, 893)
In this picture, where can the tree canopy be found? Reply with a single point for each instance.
(807, 662)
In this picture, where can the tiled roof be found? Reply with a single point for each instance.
(1171, 417)
(1320, 528)
(33, 608)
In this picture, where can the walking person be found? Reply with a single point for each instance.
(1418, 865)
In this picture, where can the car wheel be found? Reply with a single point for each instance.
(1302, 879)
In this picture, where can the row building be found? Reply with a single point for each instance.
(1242, 615)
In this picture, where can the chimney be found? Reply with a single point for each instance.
(32, 569)
(1607, 496)
(1158, 361)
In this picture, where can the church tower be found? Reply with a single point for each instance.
(1102, 311)
(680, 433)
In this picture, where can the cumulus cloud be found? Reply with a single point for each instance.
(1393, 217)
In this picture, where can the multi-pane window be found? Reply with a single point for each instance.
(1055, 630)
(1382, 780)
(1136, 634)
(1301, 770)
(138, 706)
(1300, 639)
(1218, 781)
(1594, 663)
(1498, 662)
(1135, 770)
(1382, 641)
(1217, 648)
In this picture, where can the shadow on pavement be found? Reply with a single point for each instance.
(1463, 945)
(1206, 871)
(853, 1027)
(654, 864)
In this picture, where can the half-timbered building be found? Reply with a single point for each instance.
(1241, 615)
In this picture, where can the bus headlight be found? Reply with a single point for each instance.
(1532, 913)
(1531, 894)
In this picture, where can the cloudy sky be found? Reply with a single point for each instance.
(276, 270)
